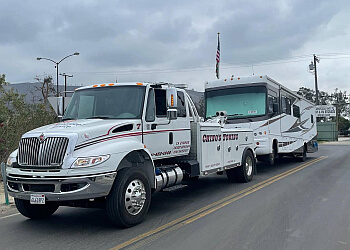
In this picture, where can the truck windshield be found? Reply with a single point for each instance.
(239, 102)
(122, 102)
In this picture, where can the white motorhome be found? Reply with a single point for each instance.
(283, 122)
(116, 145)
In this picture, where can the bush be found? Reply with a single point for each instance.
(17, 117)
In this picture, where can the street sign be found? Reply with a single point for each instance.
(325, 111)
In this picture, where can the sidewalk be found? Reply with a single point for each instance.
(3, 207)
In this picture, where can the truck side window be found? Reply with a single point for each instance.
(181, 107)
(160, 102)
(150, 110)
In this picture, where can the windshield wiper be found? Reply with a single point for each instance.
(234, 115)
(100, 117)
(69, 118)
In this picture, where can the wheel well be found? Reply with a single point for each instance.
(139, 159)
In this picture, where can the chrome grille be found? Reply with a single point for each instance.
(49, 153)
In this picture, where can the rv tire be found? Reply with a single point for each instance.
(303, 156)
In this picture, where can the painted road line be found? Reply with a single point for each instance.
(154, 234)
(133, 240)
(7, 216)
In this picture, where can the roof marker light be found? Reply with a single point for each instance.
(238, 78)
(111, 84)
(102, 85)
(139, 83)
(95, 85)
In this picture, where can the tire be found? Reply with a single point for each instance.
(303, 157)
(121, 210)
(245, 172)
(35, 211)
(270, 158)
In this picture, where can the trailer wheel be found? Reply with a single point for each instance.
(129, 199)
(243, 173)
(34, 211)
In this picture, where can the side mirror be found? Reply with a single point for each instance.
(275, 107)
(171, 114)
(57, 105)
(171, 97)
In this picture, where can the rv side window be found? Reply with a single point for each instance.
(160, 102)
(181, 107)
(296, 111)
(286, 105)
(271, 100)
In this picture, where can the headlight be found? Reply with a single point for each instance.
(9, 161)
(12, 158)
(90, 161)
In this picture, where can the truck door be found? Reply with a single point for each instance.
(182, 132)
(158, 134)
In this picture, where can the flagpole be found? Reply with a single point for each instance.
(218, 58)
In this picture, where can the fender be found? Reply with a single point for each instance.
(124, 153)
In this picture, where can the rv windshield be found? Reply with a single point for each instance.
(239, 102)
(122, 102)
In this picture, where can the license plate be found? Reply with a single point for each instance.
(37, 199)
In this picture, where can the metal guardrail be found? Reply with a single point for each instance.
(4, 180)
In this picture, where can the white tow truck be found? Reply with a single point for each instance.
(117, 144)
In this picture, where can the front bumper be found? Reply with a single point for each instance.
(67, 188)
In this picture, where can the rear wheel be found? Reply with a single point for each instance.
(129, 199)
(34, 211)
(303, 157)
(243, 173)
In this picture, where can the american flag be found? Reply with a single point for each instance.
(218, 58)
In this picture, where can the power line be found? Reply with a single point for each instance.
(230, 65)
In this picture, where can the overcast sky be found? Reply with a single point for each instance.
(176, 40)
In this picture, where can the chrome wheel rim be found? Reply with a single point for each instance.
(249, 166)
(135, 197)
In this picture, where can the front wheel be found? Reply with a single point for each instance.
(270, 158)
(129, 199)
(34, 211)
(243, 173)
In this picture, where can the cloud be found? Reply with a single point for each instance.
(174, 38)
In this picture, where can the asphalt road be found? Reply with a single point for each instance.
(293, 205)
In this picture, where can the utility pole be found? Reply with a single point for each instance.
(316, 59)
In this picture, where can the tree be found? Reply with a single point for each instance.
(46, 87)
(344, 124)
(17, 117)
(338, 98)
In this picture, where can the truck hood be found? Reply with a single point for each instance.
(86, 129)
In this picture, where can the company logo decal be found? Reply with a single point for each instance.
(41, 138)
